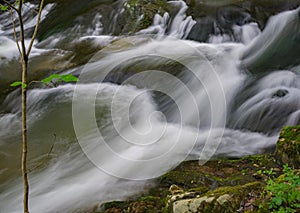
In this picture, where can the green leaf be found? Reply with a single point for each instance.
(18, 83)
(3, 8)
(277, 201)
(50, 78)
(69, 78)
(64, 78)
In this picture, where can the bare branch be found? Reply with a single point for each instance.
(10, 5)
(50, 84)
(15, 33)
(36, 27)
(22, 36)
(42, 162)
(20, 6)
(31, 82)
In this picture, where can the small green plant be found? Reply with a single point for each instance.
(283, 194)
(266, 172)
(3, 8)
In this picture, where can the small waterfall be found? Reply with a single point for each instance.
(277, 47)
(177, 27)
(244, 34)
(273, 102)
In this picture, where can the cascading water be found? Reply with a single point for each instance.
(143, 104)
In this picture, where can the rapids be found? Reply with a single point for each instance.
(144, 103)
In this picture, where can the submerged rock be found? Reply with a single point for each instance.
(280, 93)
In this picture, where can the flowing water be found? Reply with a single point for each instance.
(144, 103)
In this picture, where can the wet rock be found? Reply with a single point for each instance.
(116, 17)
(78, 15)
(280, 93)
(258, 60)
(203, 28)
(219, 17)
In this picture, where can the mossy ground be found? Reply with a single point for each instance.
(226, 185)
(217, 177)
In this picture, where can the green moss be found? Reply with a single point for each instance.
(215, 173)
(199, 190)
(288, 146)
(262, 160)
(236, 190)
(185, 179)
(290, 133)
(228, 199)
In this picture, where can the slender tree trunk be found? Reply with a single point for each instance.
(24, 55)
(24, 60)
(24, 135)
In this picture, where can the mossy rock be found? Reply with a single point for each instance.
(288, 146)
(223, 199)
(216, 173)
(146, 205)
(139, 14)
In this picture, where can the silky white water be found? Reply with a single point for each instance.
(111, 133)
